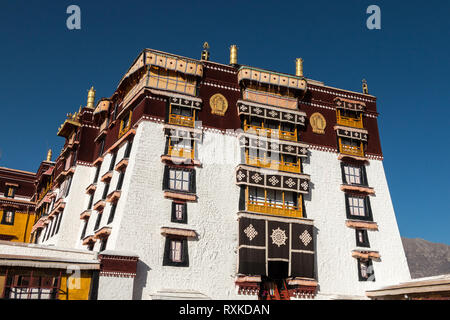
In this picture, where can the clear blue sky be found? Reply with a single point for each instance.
(47, 69)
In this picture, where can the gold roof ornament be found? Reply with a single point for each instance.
(299, 67)
(91, 98)
(205, 52)
(49, 155)
(365, 87)
(233, 55)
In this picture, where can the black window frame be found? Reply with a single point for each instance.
(120, 180)
(363, 175)
(367, 208)
(68, 185)
(103, 244)
(13, 188)
(97, 174)
(83, 231)
(98, 221)
(191, 184)
(13, 217)
(126, 155)
(174, 212)
(184, 252)
(112, 213)
(113, 161)
(105, 191)
(371, 275)
(102, 147)
(365, 235)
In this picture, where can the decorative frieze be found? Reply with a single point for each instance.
(251, 176)
(273, 145)
(347, 104)
(271, 113)
(174, 131)
(352, 133)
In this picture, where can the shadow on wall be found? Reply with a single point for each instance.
(140, 280)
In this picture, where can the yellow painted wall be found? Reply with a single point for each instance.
(76, 289)
(21, 229)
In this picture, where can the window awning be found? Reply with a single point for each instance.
(178, 232)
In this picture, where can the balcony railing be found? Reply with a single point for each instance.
(271, 133)
(277, 209)
(274, 164)
(350, 122)
(351, 150)
(181, 152)
(181, 120)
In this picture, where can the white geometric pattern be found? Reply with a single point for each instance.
(305, 185)
(305, 237)
(240, 176)
(251, 232)
(290, 182)
(273, 180)
(257, 178)
(278, 237)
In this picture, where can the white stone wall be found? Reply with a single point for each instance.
(337, 269)
(115, 288)
(143, 210)
(68, 230)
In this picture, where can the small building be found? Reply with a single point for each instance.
(16, 206)
(30, 271)
(430, 288)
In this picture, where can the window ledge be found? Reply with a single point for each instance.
(102, 233)
(89, 239)
(97, 161)
(359, 158)
(113, 196)
(85, 214)
(181, 160)
(91, 189)
(359, 188)
(107, 176)
(362, 225)
(180, 196)
(166, 231)
(360, 254)
(122, 164)
(99, 205)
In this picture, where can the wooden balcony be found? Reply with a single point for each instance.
(276, 209)
(351, 150)
(274, 164)
(180, 120)
(350, 122)
(181, 152)
(271, 133)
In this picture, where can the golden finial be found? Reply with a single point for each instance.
(91, 98)
(205, 52)
(365, 87)
(49, 155)
(233, 55)
(299, 67)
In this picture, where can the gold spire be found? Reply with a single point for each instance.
(49, 155)
(365, 87)
(205, 52)
(91, 98)
(233, 54)
(299, 67)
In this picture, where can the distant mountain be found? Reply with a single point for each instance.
(426, 259)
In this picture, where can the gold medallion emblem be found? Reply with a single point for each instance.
(219, 104)
(318, 123)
